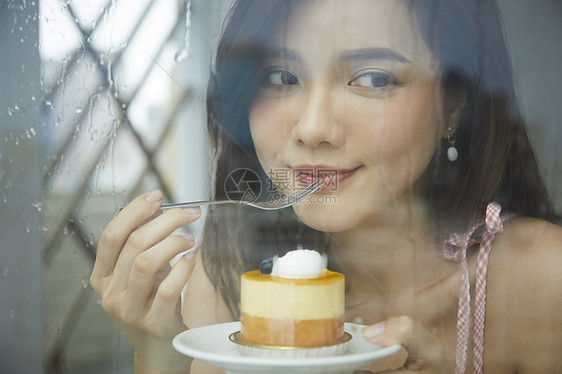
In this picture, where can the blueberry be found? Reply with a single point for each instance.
(266, 266)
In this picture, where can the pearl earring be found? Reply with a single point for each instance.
(452, 153)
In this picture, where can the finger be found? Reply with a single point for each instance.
(143, 273)
(119, 229)
(148, 236)
(167, 297)
(425, 350)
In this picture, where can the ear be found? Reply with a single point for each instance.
(454, 104)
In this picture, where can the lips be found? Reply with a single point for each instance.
(330, 176)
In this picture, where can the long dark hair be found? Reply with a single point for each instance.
(496, 161)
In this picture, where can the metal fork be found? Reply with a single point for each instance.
(283, 202)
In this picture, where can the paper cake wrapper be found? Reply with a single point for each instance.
(265, 351)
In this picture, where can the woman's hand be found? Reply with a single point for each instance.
(426, 353)
(138, 288)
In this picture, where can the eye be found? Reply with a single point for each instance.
(280, 78)
(373, 79)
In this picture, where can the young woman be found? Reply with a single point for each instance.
(438, 216)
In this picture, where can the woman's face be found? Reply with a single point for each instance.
(351, 93)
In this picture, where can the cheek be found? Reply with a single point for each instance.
(418, 127)
(261, 126)
(268, 124)
(404, 133)
(421, 113)
(399, 129)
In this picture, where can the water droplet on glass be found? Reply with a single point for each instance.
(85, 282)
(181, 55)
(38, 205)
(94, 137)
(78, 110)
(184, 52)
(30, 133)
(5, 272)
(12, 313)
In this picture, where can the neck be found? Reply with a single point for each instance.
(399, 254)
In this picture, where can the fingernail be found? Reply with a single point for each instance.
(194, 210)
(190, 254)
(153, 196)
(188, 237)
(374, 331)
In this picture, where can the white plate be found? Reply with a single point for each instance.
(211, 345)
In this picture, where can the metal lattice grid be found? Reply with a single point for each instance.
(115, 102)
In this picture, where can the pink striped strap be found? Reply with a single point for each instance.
(454, 249)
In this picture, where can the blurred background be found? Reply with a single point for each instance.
(102, 100)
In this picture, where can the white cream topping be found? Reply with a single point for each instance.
(300, 264)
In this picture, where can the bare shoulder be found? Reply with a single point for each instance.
(525, 294)
(202, 303)
(532, 248)
(527, 234)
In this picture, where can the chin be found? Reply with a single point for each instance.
(326, 218)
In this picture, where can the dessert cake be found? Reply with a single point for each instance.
(300, 304)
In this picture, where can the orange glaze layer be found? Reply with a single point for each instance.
(291, 333)
(256, 275)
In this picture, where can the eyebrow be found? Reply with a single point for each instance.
(282, 53)
(374, 54)
(349, 55)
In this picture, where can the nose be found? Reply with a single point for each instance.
(318, 122)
